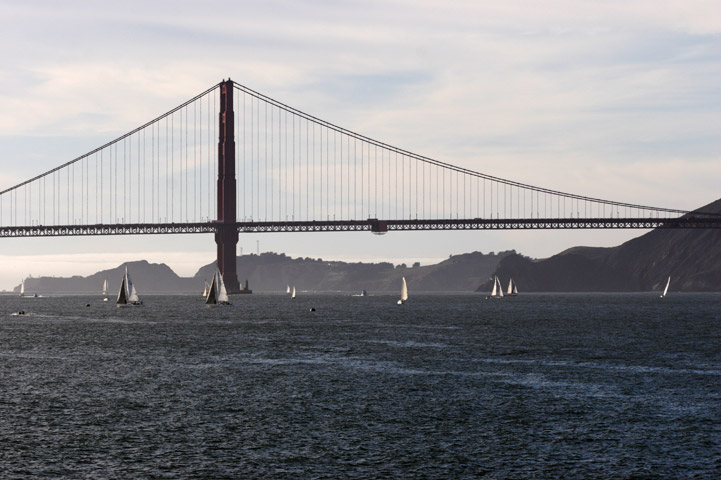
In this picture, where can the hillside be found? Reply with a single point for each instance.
(147, 277)
(273, 272)
(691, 257)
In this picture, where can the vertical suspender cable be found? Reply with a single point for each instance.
(250, 169)
(355, 177)
(211, 139)
(335, 172)
(172, 168)
(152, 172)
(293, 157)
(307, 171)
(139, 186)
(272, 158)
(101, 187)
(362, 200)
(285, 163)
(243, 159)
(195, 160)
(187, 171)
(265, 163)
(395, 162)
(327, 173)
(312, 166)
(167, 177)
(375, 181)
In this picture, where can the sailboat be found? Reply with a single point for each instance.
(217, 295)
(127, 295)
(205, 288)
(292, 295)
(287, 289)
(105, 290)
(665, 290)
(404, 292)
(512, 288)
(497, 291)
(22, 290)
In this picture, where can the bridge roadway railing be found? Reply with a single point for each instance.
(370, 225)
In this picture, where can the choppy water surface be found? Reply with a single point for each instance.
(446, 386)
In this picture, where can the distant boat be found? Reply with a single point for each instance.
(512, 288)
(217, 294)
(287, 289)
(404, 292)
(364, 293)
(105, 290)
(292, 295)
(127, 295)
(205, 288)
(665, 290)
(497, 291)
(22, 290)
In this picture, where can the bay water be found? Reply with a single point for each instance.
(445, 386)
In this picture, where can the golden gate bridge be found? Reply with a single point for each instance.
(231, 160)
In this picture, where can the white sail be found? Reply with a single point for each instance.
(222, 292)
(205, 288)
(665, 290)
(292, 295)
(217, 294)
(133, 297)
(404, 291)
(22, 287)
(127, 295)
(211, 297)
(500, 288)
(515, 288)
(510, 287)
(105, 287)
(495, 287)
(287, 289)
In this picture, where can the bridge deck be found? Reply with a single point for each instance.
(369, 225)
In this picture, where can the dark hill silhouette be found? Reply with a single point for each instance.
(272, 272)
(691, 257)
(146, 277)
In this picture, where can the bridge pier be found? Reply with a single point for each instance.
(227, 240)
(226, 236)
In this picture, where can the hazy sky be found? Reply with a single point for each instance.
(610, 99)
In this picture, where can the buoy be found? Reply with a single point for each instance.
(312, 309)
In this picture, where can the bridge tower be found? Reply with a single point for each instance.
(226, 236)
